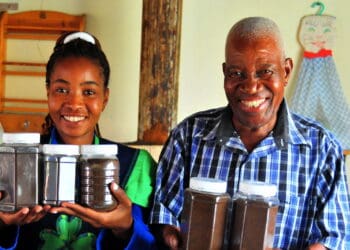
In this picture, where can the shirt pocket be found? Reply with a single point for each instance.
(295, 204)
(295, 215)
(291, 202)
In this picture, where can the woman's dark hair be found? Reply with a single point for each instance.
(78, 47)
(79, 44)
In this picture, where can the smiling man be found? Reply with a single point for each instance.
(257, 138)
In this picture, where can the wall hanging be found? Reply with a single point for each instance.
(318, 92)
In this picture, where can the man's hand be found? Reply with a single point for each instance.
(317, 246)
(172, 237)
(167, 236)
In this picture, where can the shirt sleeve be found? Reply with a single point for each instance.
(169, 188)
(9, 237)
(141, 237)
(332, 227)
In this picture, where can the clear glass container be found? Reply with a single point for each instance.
(19, 170)
(99, 166)
(254, 212)
(204, 214)
(59, 173)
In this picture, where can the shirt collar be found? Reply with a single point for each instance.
(56, 139)
(225, 128)
(283, 133)
(218, 127)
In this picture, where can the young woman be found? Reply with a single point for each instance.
(77, 77)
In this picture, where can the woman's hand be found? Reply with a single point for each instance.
(119, 220)
(24, 215)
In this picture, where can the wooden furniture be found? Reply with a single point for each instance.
(24, 114)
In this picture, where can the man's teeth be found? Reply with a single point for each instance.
(253, 104)
(74, 118)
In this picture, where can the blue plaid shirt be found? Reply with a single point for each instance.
(303, 159)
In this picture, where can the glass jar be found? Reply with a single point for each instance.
(59, 173)
(255, 208)
(99, 166)
(204, 214)
(19, 170)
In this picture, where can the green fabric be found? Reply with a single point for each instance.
(139, 186)
(67, 235)
(96, 140)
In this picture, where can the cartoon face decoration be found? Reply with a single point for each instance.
(317, 32)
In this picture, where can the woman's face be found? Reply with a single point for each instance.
(76, 98)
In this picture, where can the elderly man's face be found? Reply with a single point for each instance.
(256, 74)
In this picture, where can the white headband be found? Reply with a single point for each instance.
(82, 35)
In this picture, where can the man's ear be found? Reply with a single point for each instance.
(223, 67)
(288, 67)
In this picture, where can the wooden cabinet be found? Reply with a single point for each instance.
(23, 113)
(24, 122)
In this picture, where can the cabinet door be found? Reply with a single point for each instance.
(22, 122)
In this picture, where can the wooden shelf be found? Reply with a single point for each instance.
(25, 64)
(25, 68)
(26, 114)
(23, 73)
(42, 25)
(24, 105)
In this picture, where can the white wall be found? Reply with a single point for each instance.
(117, 24)
(204, 30)
(68, 6)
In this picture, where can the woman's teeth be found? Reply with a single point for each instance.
(73, 118)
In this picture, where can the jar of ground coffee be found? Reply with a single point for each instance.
(204, 214)
(255, 208)
(99, 166)
(59, 173)
(19, 170)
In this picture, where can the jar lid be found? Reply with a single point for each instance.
(60, 149)
(205, 184)
(101, 149)
(21, 138)
(258, 188)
